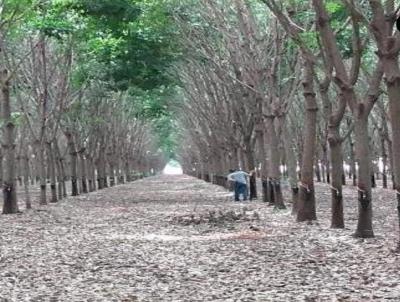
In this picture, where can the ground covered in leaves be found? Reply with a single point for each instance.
(176, 238)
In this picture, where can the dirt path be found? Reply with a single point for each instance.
(176, 238)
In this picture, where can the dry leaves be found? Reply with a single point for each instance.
(128, 243)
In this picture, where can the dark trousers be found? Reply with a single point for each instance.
(240, 188)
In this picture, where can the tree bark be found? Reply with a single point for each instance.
(1, 165)
(101, 168)
(261, 145)
(26, 173)
(352, 162)
(42, 171)
(250, 165)
(393, 85)
(83, 170)
(335, 146)
(10, 205)
(364, 225)
(127, 169)
(390, 151)
(291, 166)
(120, 175)
(59, 179)
(91, 174)
(52, 170)
(73, 157)
(324, 162)
(274, 172)
(384, 163)
(111, 165)
(61, 172)
(306, 202)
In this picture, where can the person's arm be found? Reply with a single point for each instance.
(251, 172)
(230, 178)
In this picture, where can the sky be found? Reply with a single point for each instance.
(173, 168)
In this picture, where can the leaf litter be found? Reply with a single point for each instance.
(176, 238)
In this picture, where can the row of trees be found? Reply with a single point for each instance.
(291, 88)
(301, 88)
(81, 85)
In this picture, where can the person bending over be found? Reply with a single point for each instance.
(240, 181)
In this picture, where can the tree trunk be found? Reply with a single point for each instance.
(335, 146)
(274, 173)
(42, 171)
(10, 204)
(19, 169)
(61, 172)
(112, 171)
(390, 153)
(235, 159)
(1, 165)
(83, 171)
(26, 173)
(73, 157)
(291, 166)
(384, 163)
(33, 172)
(392, 72)
(120, 175)
(352, 163)
(59, 179)
(364, 225)
(372, 168)
(306, 202)
(328, 172)
(52, 170)
(251, 166)
(91, 174)
(101, 168)
(383, 21)
(241, 158)
(127, 169)
(261, 145)
(323, 166)
(267, 187)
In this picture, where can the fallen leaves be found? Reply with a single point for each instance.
(142, 242)
(220, 218)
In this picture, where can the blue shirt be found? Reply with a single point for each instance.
(239, 176)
